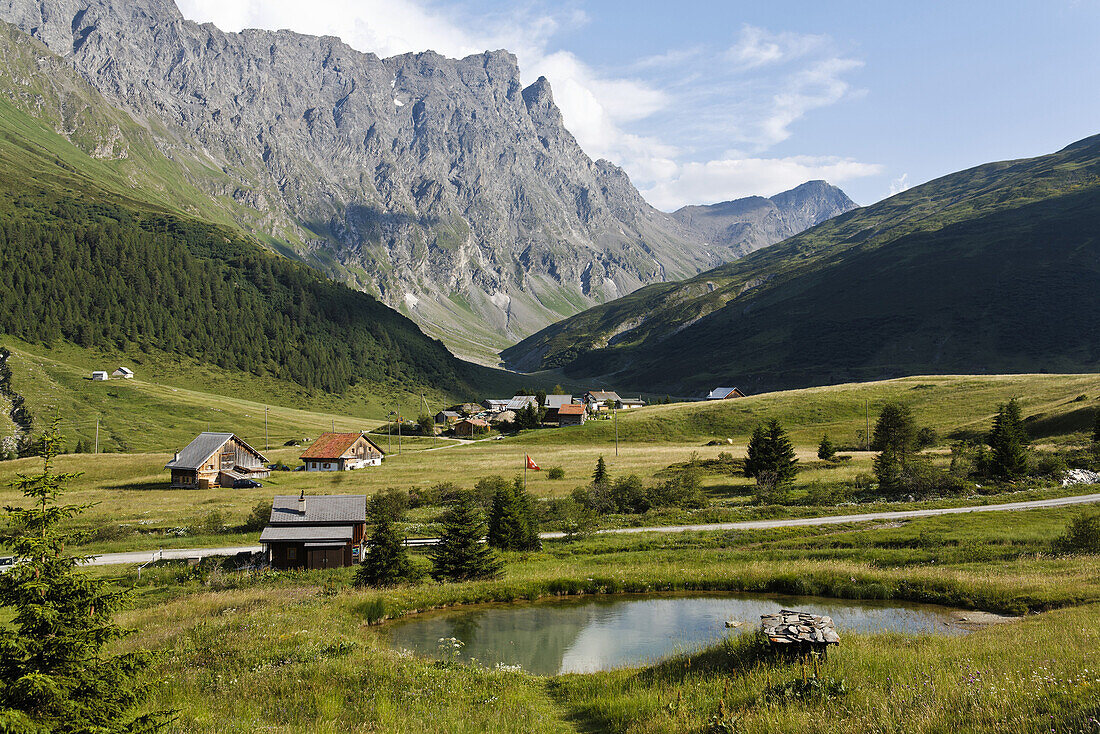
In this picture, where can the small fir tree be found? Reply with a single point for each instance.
(1008, 442)
(55, 674)
(895, 430)
(771, 457)
(386, 561)
(825, 449)
(460, 555)
(600, 476)
(512, 522)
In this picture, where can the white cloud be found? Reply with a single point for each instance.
(722, 180)
(899, 184)
(665, 119)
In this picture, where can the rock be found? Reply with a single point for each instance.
(1080, 476)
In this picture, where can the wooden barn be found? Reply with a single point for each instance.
(318, 531)
(124, 373)
(216, 460)
(569, 415)
(471, 427)
(342, 452)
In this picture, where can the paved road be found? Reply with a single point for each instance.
(146, 556)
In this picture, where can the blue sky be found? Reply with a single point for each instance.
(707, 101)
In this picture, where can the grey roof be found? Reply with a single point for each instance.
(320, 508)
(199, 450)
(450, 413)
(719, 393)
(307, 533)
(556, 401)
(519, 402)
(602, 395)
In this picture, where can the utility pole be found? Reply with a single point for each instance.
(424, 400)
(334, 425)
(615, 419)
(867, 424)
(267, 439)
(399, 426)
(97, 435)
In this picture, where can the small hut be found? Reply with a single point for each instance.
(800, 633)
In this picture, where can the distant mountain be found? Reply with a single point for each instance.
(443, 186)
(989, 270)
(735, 228)
(105, 244)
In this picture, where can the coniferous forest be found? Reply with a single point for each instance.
(103, 275)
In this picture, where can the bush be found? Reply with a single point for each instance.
(257, 519)
(1081, 536)
(555, 472)
(927, 438)
(212, 523)
(1050, 465)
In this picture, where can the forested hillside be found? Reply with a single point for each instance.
(989, 270)
(82, 261)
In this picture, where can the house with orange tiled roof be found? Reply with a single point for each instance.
(342, 452)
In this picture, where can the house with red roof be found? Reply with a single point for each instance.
(342, 452)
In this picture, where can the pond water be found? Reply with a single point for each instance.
(601, 633)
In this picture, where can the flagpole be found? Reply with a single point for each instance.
(525, 472)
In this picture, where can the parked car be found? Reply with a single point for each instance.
(246, 484)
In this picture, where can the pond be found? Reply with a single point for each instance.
(601, 633)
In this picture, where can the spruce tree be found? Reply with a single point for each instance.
(825, 449)
(1009, 441)
(771, 456)
(386, 561)
(512, 521)
(55, 674)
(895, 430)
(600, 476)
(755, 460)
(460, 554)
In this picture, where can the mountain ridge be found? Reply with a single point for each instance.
(945, 277)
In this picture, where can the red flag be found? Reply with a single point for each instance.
(531, 464)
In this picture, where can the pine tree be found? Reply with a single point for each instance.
(1008, 441)
(600, 476)
(385, 562)
(460, 555)
(755, 460)
(895, 430)
(513, 524)
(54, 672)
(825, 449)
(771, 456)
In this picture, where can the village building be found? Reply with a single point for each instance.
(100, 376)
(597, 400)
(519, 402)
(216, 460)
(319, 531)
(342, 452)
(630, 403)
(495, 406)
(447, 417)
(553, 402)
(123, 372)
(471, 427)
(724, 393)
(569, 415)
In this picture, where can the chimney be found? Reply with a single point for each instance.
(176, 457)
(302, 503)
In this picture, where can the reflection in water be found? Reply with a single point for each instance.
(600, 633)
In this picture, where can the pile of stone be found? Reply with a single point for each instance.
(1080, 476)
(799, 628)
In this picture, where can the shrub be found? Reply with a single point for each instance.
(927, 437)
(1081, 536)
(212, 523)
(257, 519)
(555, 472)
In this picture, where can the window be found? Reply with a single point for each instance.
(292, 553)
(328, 465)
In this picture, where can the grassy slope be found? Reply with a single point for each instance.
(297, 653)
(970, 272)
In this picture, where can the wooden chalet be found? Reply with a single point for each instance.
(573, 414)
(495, 406)
(319, 531)
(471, 427)
(447, 417)
(216, 460)
(724, 393)
(342, 452)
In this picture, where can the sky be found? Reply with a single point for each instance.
(709, 101)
